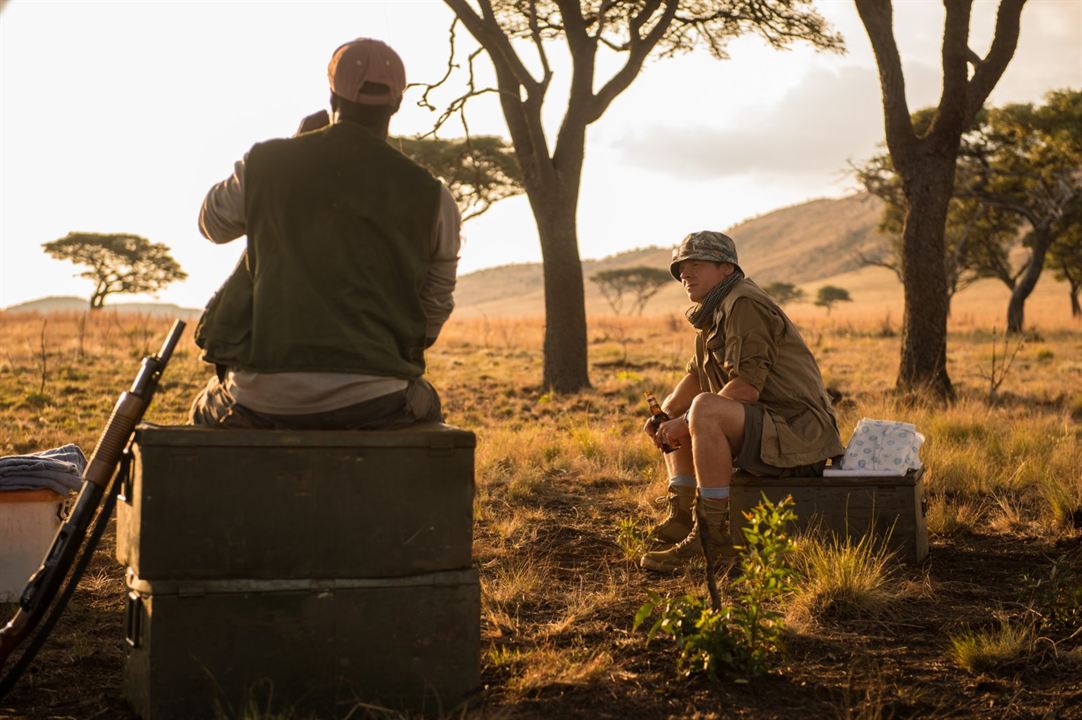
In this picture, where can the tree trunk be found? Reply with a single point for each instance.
(927, 299)
(565, 357)
(1076, 309)
(1016, 308)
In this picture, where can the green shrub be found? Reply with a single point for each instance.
(742, 638)
(1056, 596)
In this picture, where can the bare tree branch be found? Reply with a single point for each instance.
(877, 16)
(988, 72)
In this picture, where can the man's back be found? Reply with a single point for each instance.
(339, 241)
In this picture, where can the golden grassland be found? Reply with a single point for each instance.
(567, 484)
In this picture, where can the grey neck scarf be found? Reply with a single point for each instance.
(702, 314)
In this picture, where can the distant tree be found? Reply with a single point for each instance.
(829, 295)
(925, 163)
(639, 283)
(118, 263)
(479, 171)
(783, 292)
(1065, 256)
(1027, 162)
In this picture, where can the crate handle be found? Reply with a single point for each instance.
(133, 621)
(126, 477)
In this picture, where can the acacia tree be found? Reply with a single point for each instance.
(829, 295)
(1066, 256)
(1017, 166)
(639, 283)
(977, 239)
(1028, 163)
(551, 172)
(925, 163)
(479, 171)
(118, 263)
(784, 292)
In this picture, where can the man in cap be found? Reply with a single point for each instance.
(752, 398)
(348, 273)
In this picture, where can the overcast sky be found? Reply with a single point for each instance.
(118, 116)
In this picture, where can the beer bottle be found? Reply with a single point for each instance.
(658, 416)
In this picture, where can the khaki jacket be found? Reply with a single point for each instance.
(753, 339)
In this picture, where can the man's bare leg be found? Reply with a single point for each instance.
(717, 434)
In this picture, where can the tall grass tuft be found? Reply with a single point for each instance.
(951, 516)
(841, 579)
(991, 650)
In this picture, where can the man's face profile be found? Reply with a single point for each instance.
(700, 276)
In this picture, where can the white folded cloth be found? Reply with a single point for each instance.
(880, 448)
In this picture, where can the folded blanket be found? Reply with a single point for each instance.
(59, 469)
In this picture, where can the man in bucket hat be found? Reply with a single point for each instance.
(752, 398)
(349, 269)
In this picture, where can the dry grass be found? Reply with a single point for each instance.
(565, 482)
(841, 578)
(990, 650)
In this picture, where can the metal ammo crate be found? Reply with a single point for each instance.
(845, 506)
(307, 570)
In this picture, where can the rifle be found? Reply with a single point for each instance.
(98, 482)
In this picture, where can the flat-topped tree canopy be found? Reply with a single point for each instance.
(118, 263)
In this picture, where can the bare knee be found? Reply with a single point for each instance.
(713, 414)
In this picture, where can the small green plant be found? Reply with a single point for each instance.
(631, 538)
(742, 638)
(1056, 597)
(991, 650)
(500, 656)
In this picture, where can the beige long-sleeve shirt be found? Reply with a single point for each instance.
(222, 219)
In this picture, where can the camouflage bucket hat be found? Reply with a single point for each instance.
(704, 245)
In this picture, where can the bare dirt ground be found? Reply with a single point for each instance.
(555, 475)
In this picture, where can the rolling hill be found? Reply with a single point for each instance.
(78, 304)
(811, 244)
(800, 244)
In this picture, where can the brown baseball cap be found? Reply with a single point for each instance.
(362, 61)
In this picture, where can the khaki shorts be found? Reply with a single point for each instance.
(750, 456)
(419, 402)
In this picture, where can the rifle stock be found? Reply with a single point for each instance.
(43, 586)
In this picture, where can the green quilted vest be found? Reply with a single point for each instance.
(339, 239)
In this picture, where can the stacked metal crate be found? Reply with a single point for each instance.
(299, 570)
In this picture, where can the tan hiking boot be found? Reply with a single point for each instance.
(713, 515)
(678, 523)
